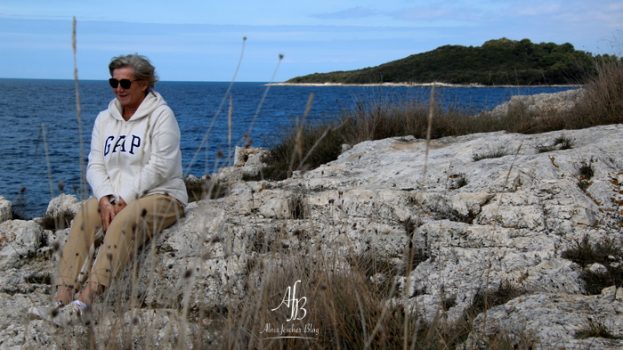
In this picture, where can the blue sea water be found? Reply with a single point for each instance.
(40, 147)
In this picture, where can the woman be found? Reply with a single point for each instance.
(135, 173)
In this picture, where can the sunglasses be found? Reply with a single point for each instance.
(125, 83)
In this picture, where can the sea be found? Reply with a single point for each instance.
(45, 136)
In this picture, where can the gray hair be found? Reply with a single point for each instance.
(143, 69)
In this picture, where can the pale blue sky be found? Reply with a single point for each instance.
(201, 39)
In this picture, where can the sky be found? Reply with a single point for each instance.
(204, 40)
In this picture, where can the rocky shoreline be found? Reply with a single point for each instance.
(413, 84)
(483, 211)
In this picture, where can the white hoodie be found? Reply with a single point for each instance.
(141, 156)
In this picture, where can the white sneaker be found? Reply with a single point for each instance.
(72, 314)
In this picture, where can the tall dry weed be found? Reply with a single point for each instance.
(602, 102)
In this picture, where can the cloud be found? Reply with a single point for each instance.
(615, 6)
(537, 10)
(420, 13)
(349, 13)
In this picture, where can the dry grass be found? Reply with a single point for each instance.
(595, 329)
(344, 310)
(58, 222)
(498, 152)
(602, 102)
(585, 174)
(560, 143)
(200, 188)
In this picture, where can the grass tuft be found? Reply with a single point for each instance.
(585, 174)
(58, 222)
(489, 298)
(492, 153)
(586, 170)
(199, 188)
(456, 181)
(595, 329)
(606, 253)
(560, 143)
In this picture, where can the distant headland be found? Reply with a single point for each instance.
(496, 62)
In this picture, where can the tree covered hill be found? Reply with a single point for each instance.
(496, 62)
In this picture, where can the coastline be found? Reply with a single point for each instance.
(409, 84)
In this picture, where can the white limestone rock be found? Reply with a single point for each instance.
(15, 327)
(19, 240)
(540, 103)
(5, 210)
(597, 268)
(553, 321)
(62, 205)
(148, 329)
(248, 164)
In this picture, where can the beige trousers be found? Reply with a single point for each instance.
(129, 230)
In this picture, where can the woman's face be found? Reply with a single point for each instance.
(129, 98)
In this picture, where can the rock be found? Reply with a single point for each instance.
(248, 163)
(540, 104)
(247, 156)
(62, 205)
(597, 268)
(5, 210)
(15, 328)
(19, 240)
(553, 321)
(151, 328)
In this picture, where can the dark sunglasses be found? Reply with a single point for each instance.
(125, 83)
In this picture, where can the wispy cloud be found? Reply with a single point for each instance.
(429, 15)
(537, 9)
(615, 6)
(583, 12)
(421, 13)
(349, 13)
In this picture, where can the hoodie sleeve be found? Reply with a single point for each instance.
(97, 176)
(163, 159)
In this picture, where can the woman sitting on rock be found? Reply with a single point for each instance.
(135, 173)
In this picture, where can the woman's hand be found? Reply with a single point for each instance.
(120, 204)
(107, 212)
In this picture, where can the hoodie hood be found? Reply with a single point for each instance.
(151, 101)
